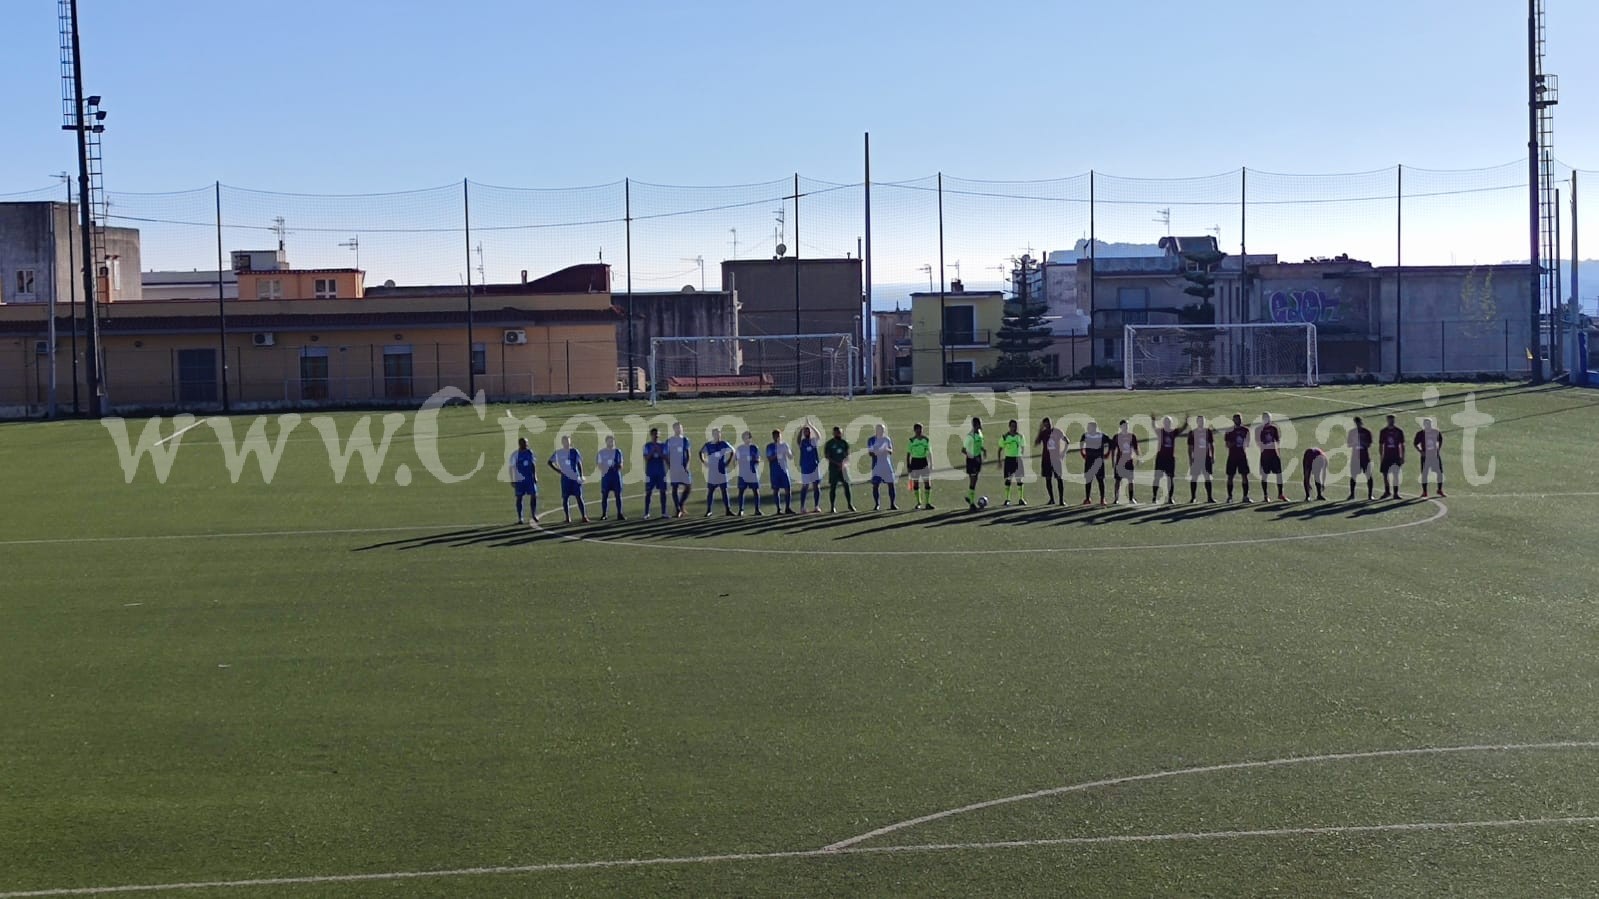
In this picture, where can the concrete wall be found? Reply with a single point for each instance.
(680, 314)
(928, 355)
(44, 237)
(1456, 320)
(830, 295)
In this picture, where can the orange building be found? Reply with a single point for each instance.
(552, 337)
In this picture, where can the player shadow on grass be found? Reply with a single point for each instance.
(459, 538)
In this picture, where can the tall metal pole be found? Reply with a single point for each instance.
(1093, 306)
(50, 323)
(1576, 298)
(867, 330)
(796, 284)
(72, 294)
(97, 395)
(943, 298)
(222, 311)
(471, 354)
(627, 220)
(1399, 276)
(1535, 264)
(1556, 309)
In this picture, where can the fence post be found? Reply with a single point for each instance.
(222, 312)
(1093, 305)
(466, 210)
(627, 218)
(943, 298)
(1399, 274)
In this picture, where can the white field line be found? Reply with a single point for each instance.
(181, 431)
(1350, 403)
(1184, 836)
(1524, 495)
(1209, 769)
(1437, 516)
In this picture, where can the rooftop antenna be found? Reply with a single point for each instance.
(928, 268)
(701, 261)
(481, 278)
(1216, 230)
(281, 229)
(956, 265)
(778, 231)
(354, 243)
(1164, 217)
(734, 232)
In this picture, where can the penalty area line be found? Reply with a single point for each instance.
(181, 431)
(1101, 840)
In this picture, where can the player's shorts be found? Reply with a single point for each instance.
(883, 475)
(917, 470)
(810, 477)
(1391, 461)
(1166, 464)
(1361, 463)
(527, 488)
(1012, 467)
(779, 479)
(571, 488)
(836, 476)
(655, 482)
(714, 481)
(1093, 467)
(1432, 464)
(1204, 465)
(974, 466)
(611, 483)
(744, 485)
(1047, 468)
(1270, 463)
(1124, 469)
(681, 478)
(1315, 463)
(1237, 465)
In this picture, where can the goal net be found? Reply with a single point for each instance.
(1218, 355)
(772, 364)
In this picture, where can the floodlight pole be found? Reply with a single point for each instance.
(81, 125)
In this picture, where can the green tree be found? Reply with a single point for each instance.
(1199, 268)
(1023, 333)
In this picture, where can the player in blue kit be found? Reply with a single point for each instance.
(749, 472)
(525, 478)
(569, 462)
(810, 465)
(654, 471)
(678, 449)
(716, 454)
(608, 462)
(778, 456)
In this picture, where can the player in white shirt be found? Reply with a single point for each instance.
(1429, 443)
(779, 459)
(608, 463)
(1126, 447)
(881, 449)
(748, 457)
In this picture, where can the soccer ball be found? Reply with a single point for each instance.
(982, 502)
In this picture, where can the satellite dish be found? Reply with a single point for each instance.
(781, 249)
(688, 288)
(389, 283)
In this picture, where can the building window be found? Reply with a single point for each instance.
(269, 289)
(314, 373)
(25, 283)
(960, 372)
(480, 359)
(197, 376)
(1132, 298)
(397, 371)
(960, 325)
(1112, 349)
(327, 288)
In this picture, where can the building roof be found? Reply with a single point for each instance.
(191, 277)
(588, 277)
(336, 321)
(269, 272)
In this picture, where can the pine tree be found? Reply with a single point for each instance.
(1024, 332)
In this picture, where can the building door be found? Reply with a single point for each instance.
(314, 373)
(960, 326)
(197, 376)
(397, 372)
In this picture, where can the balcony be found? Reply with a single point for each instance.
(969, 339)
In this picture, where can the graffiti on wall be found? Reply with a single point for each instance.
(1311, 304)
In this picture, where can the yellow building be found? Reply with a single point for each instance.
(552, 337)
(302, 284)
(953, 334)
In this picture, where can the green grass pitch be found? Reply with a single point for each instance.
(210, 682)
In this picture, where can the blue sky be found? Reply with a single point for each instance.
(362, 96)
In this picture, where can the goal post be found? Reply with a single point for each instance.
(1155, 356)
(822, 364)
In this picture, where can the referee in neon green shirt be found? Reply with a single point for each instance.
(972, 446)
(919, 468)
(1011, 446)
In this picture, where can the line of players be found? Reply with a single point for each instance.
(667, 466)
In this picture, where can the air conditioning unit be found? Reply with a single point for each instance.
(515, 338)
(263, 339)
(41, 347)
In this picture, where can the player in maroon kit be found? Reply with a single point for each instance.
(1315, 463)
(1201, 459)
(1125, 446)
(1166, 458)
(1359, 442)
(1391, 439)
(1430, 443)
(1094, 447)
(1238, 456)
(1271, 463)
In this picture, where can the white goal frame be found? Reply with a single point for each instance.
(1242, 369)
(732, 358)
